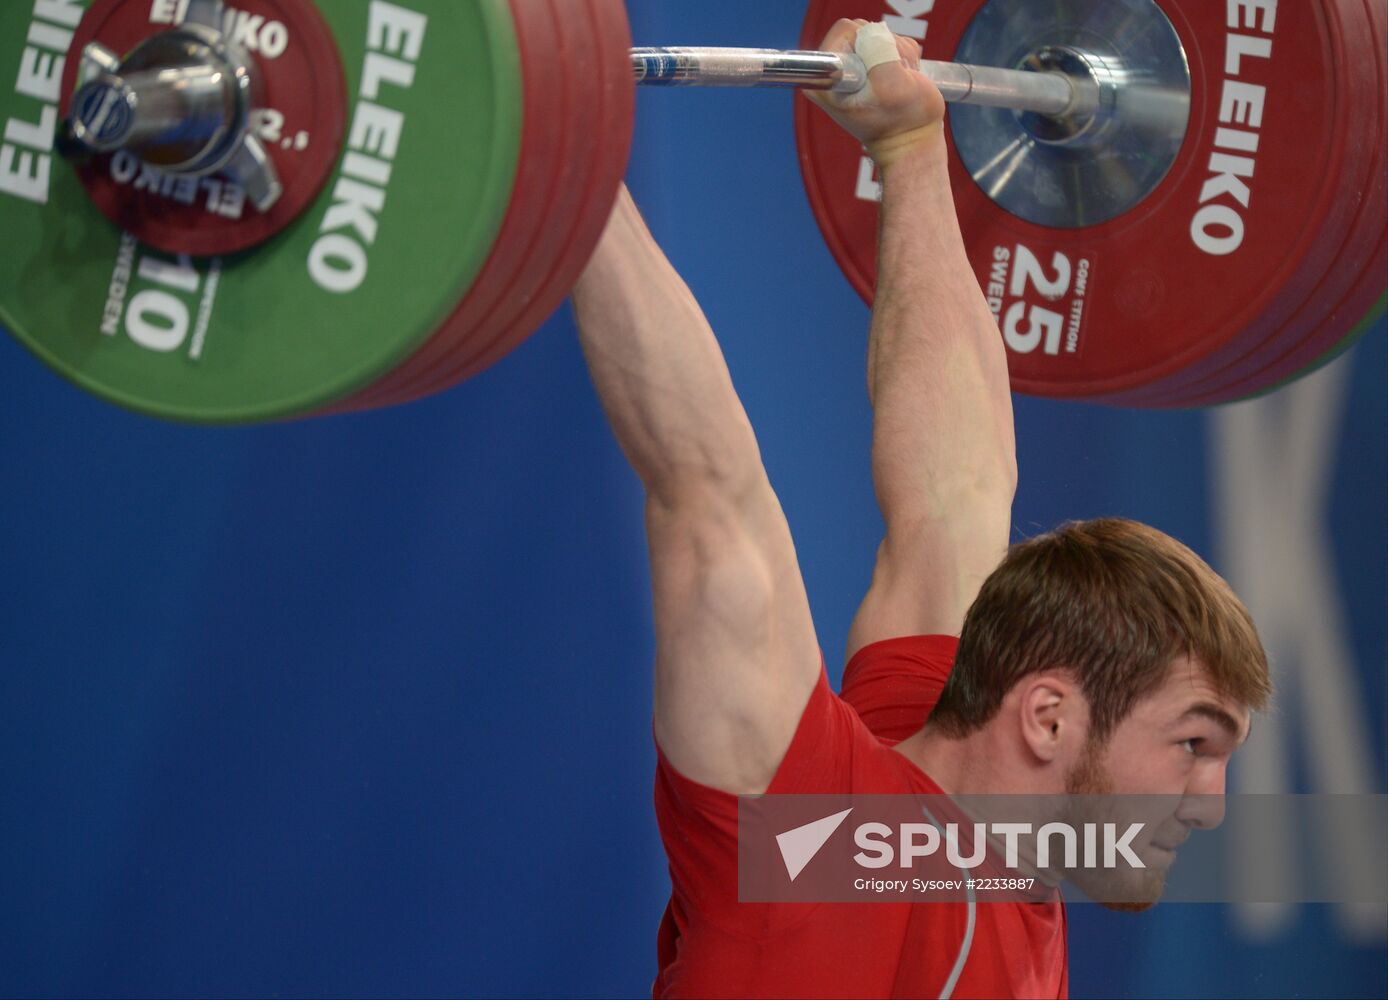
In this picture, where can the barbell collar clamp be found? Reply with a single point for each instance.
(96, 60)
(181, 102)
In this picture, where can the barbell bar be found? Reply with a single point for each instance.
(1047, 93)
(153, 109)
(1081, 180)
(1073, 90)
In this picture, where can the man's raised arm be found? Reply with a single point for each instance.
(944, 451)
(736, 654)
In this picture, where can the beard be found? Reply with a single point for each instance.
(1089, 776)
(1138, 890)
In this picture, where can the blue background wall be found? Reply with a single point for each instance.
(361, 706)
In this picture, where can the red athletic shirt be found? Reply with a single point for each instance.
(710, 945)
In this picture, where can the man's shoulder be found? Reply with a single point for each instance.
(894, 684)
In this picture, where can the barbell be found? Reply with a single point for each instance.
(277, 210)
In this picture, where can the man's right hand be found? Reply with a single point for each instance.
(944, 451)
(900, 108)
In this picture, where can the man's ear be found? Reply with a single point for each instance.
(1051, 714)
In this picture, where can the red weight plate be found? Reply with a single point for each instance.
(615, 97)
(303, 99)
(504, 326)
(1339, 318)
(546, 147)
(1357, 279)
(566, 224)
(1152, 302)
(477, 324)
(1353, 317)
(1326, 315)
(1365, 300)
(600, 43)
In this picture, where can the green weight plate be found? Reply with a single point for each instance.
(340, 297)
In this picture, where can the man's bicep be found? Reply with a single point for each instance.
(736, 654)
(928, 573)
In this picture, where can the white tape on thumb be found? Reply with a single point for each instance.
(876, 45)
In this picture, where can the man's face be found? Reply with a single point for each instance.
(1166, 761)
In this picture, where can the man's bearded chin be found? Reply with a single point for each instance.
(1139, 890)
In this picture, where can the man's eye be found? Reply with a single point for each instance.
(1191, 746)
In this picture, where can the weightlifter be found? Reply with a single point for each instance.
(1102, 657)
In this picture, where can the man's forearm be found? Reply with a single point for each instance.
(658, 369)
(937, 370)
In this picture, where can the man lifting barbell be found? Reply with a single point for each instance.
(238, 225)
(1103, 657)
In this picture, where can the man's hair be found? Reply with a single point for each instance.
(1115, 603)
